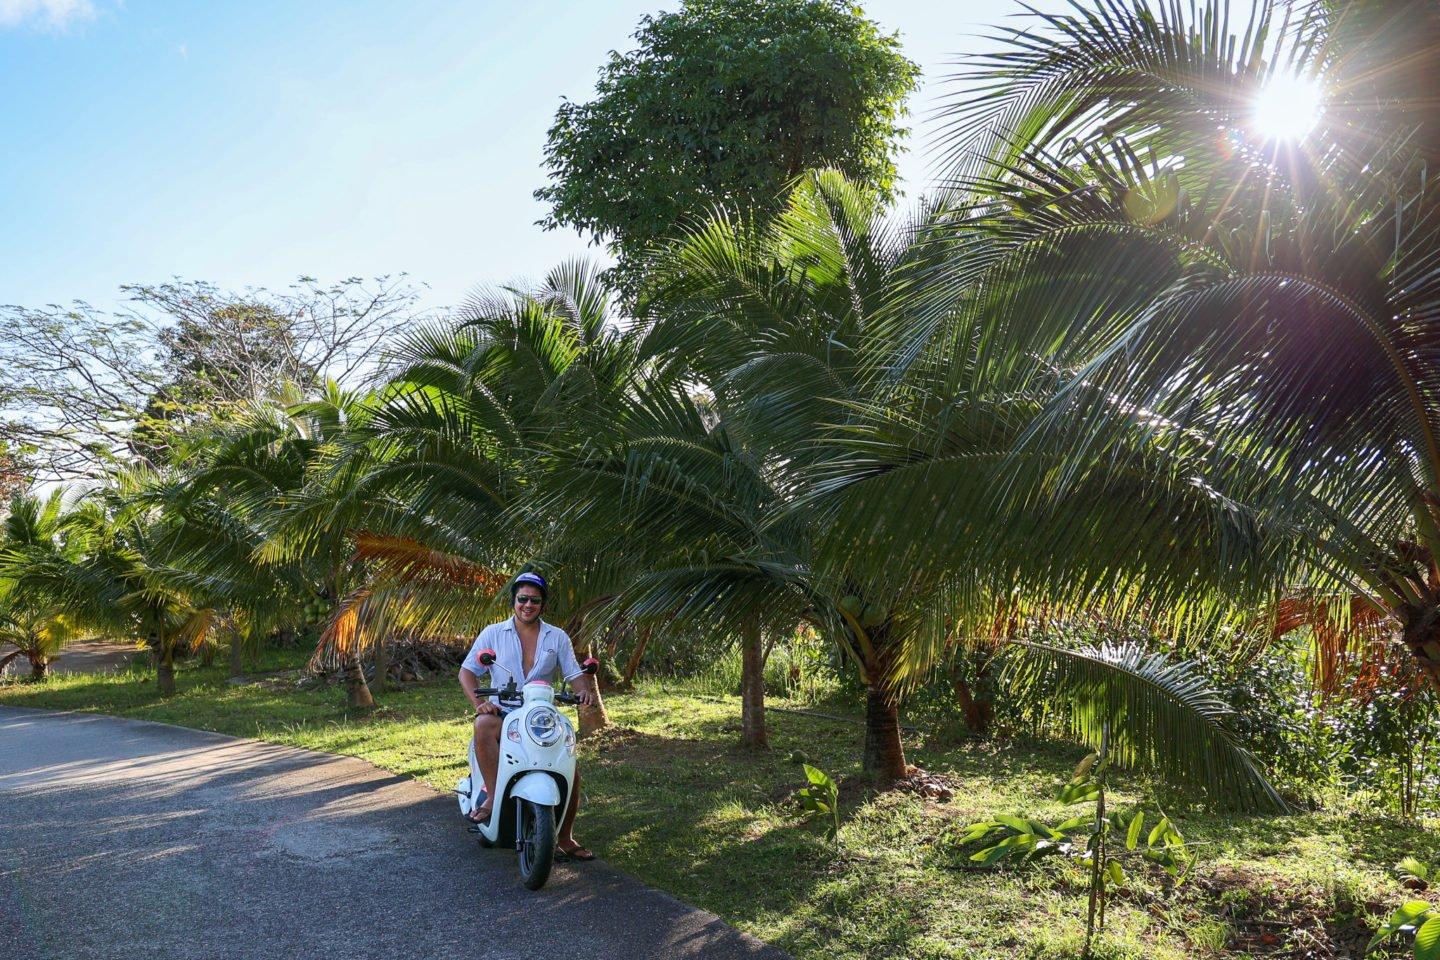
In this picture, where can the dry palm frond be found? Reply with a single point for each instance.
(1353, 647)
(404, 559)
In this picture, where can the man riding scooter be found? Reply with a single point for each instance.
(526, 648)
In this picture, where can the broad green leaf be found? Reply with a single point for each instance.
(1158, 831)
(817, 776)
(991, 855)
(1132, 836)
(1018, 824)
(1408, 913)
(1427, 940)
(1116, 872)
(1082, 792)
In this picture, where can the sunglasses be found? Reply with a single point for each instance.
(524, 599)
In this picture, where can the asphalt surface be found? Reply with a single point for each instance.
(121, 838)
(85, 657)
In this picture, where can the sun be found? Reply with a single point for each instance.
(1288, 107)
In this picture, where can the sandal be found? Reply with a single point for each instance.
(573, 852)
(480, 815)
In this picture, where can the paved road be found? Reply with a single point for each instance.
(124, 839)
(97, 656)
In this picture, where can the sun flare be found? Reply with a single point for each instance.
(1288, 107)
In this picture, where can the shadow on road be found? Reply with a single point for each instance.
(130, 839)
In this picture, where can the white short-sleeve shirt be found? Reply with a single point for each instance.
(553, 650)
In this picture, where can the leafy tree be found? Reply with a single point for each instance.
(1213, 313)
(117, 575)
(85, 388)
(724, 103)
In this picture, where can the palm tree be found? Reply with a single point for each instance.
(717, 497)
(427, 487)
(232, 478)
(29, 620)
(1237, 333)
(116, 576)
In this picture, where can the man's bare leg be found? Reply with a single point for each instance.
(487, 752)
(565, 843)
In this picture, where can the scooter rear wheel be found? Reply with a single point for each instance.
(537, 844)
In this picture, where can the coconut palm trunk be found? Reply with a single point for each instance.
(165, 667)
(1421, 635)
(356, 689)
(39, 666)
(382, 667)
(884, 756)
(637, 656)
(593, 719)
(752, 686)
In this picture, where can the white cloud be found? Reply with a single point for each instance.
(53, 14)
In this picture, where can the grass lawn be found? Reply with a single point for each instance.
(672, 799)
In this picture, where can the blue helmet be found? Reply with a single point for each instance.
(535, 580)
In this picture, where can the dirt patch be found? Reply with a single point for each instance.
(1284, 922)
(282, 680)
(931, 786)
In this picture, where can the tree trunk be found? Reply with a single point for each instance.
(632, 667)
(884, 750)
(752, 687)
(165, 670)
(978, 711)
(237, 657)
(1422, 635)
(382, 667)
(39, 666)
(593, 719)
(356, 689)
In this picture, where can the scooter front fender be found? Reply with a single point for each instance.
(537, 787)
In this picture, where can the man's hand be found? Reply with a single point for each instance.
(584, 689)
(485, 708)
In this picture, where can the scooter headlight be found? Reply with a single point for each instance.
(544, 726)
(569, 735)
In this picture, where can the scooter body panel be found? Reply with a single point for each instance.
(538, 788)
(540, 773)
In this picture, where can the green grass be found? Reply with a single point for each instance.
(671, 798)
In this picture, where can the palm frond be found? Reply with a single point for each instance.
(1157, 714)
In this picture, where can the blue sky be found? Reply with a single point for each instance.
(248, 143)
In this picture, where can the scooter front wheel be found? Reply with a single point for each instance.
(537, 843)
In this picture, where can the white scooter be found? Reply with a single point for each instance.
(534, 776)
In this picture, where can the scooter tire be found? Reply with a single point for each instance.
(537, 844)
